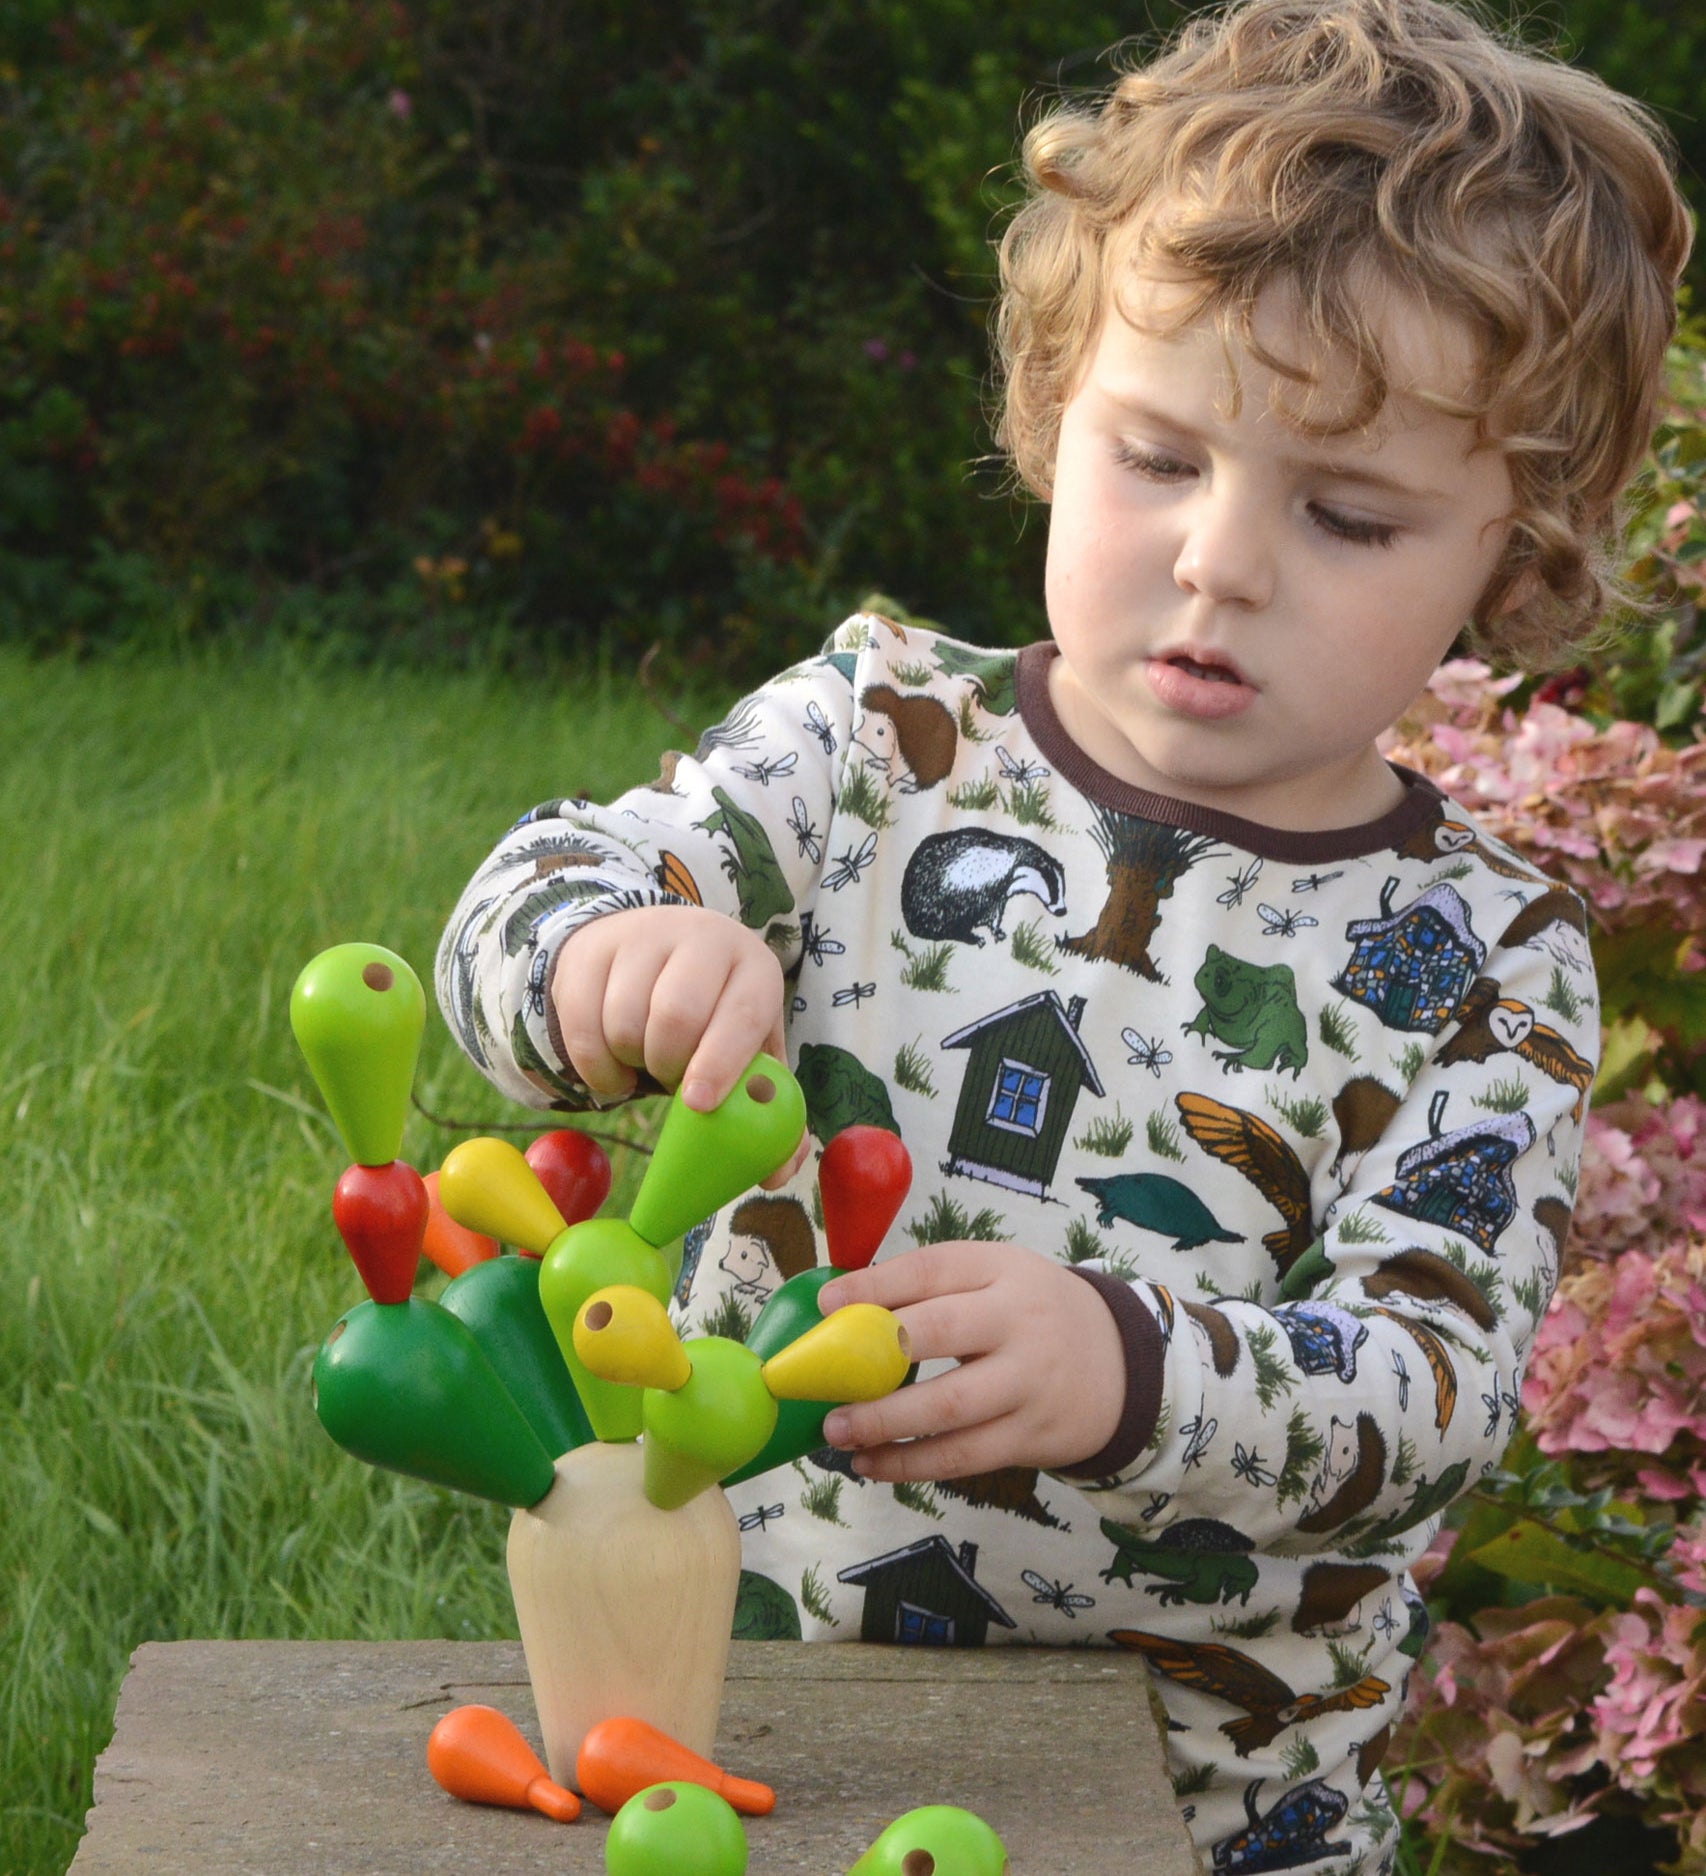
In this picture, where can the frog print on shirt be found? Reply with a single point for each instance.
(1253, 1009)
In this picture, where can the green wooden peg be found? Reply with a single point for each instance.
(499, 1301)
(942, 1838)
(789, 1311)
(358, 1011)
(708, 1427)
(588, 1257)
(676, 1829)
(702, 1161)
(706, 1407)
(406, 1386)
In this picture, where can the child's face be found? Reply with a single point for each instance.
(1242, 609)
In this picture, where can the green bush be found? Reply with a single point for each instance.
(444, 330)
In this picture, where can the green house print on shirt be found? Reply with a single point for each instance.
(1027, 1065)
(925, 1594)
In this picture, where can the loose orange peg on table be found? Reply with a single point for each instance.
(479, 1755)
(621, 1757)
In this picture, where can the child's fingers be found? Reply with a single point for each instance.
(957, 1455)
(948, 1268)
(579, 989)
(681, 996)
(969, 1395)
(744, 1017)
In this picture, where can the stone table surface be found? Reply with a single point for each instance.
(261, 1758)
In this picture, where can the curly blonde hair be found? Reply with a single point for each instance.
(1333, 146)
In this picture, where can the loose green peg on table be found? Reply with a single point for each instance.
(358, 1012)
(943, 1839)
(676, 1829)
(704, 1408)
(407, 1386)
(586, 1258)
(702, 1161)
(499, 1300)
(488, 1186)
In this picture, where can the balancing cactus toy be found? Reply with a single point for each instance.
(863, 1178)
(624, 1559)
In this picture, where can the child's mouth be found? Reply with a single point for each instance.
(1198, 687)
(1215, 673)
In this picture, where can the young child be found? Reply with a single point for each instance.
(1242, 1074)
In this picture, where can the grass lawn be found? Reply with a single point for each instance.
(178, 840)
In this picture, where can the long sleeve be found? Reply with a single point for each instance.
(735, 827)
(1412, 1270)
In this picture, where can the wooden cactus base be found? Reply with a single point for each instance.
(623, 1609)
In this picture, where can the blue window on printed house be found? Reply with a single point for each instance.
(920, 1625)
(1021, 1096)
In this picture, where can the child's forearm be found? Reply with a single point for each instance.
(711, 832)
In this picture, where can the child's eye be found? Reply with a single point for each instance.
(1351, 528)
(1156, 464)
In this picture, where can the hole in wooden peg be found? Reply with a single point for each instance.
(761, 1089)
(337, 1330)
(378, 976)
(598, 1316)
(659, 1800)
(900, 1337)
(917, 1863)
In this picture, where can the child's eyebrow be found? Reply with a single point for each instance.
(1340, 471)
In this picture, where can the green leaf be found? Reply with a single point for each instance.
(1678, 703)
(1530, 1553)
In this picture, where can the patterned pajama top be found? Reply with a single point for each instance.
(1306, 1107)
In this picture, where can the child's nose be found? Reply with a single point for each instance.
(1225, 555)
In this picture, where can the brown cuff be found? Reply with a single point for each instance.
(1145, 1358)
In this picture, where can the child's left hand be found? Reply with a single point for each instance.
(1042, 1374)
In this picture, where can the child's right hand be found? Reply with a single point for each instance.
(687, 994)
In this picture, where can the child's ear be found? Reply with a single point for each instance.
(1524, 587)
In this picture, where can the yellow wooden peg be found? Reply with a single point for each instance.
(856, 1353)
(623, 1333)
(488, 1186)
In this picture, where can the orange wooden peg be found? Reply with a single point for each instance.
(478, 1755)
(453, 1247)
(622, 1756)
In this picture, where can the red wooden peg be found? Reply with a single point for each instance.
(574, 1169)
(864, 1177)
(381, 1214)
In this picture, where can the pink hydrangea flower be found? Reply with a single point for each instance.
(1651, 1718)
(1617, 813)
